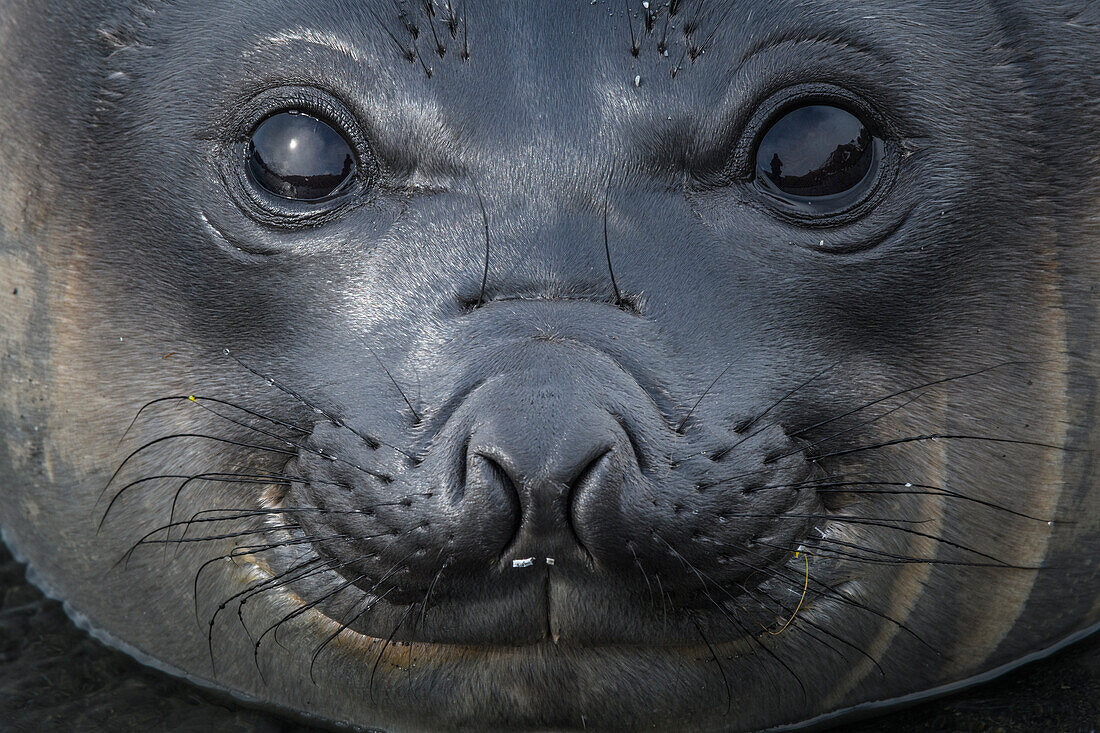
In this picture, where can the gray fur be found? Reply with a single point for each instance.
(462, 312)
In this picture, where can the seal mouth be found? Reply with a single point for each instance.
(536, 601)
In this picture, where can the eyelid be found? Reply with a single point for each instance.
(309, 102)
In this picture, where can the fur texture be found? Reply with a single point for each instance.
(844, 460)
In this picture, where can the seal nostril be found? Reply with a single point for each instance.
(635, 446)
(586, 473)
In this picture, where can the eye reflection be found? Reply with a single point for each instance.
(817, 159)
(297, 156)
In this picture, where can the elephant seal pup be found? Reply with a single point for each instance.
(441, 365)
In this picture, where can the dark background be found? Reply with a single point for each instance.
(53, 677)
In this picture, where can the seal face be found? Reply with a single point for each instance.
(425, 366)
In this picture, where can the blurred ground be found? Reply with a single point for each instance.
(53, 677)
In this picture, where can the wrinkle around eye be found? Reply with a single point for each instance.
(797, 37)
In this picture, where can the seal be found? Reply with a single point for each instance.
(438, 365)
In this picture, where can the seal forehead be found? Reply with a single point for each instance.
(500, 63)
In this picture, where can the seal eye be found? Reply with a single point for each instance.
(817, 159)
(297, 156)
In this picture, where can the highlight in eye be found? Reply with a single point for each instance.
(297, 156)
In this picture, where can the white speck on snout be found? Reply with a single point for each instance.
(523, 562)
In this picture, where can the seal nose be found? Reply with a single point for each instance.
(545, 459)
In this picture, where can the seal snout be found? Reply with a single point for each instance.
(548, 490)
(561, 461)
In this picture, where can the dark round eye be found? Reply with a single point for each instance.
(817, 159)
(296, 156)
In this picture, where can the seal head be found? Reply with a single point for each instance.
(425, 366)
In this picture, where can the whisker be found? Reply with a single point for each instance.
(246, 550)
(374, 669)
(397, 566)
(372, 443)
(721, 669)
(634, 47)
(343, 626)
(791, 614)
(850, 518)
(680, 427)
(803, 620)
(935, 437)
(795, 485)
(907, 390)
(277, 582)
(831, 592)
(891, 558)
(606, 243)
(887, 524)
(465, 40)
(431, 587)
(645, 575)
(224, 604)
(485, 221)
(202, 436)
(198, 399)
(416, 415)
(203, 477)
(743, 427)
(296, 613)
(222, 477)
(721, 609)
(908, 488)
(865, 423)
